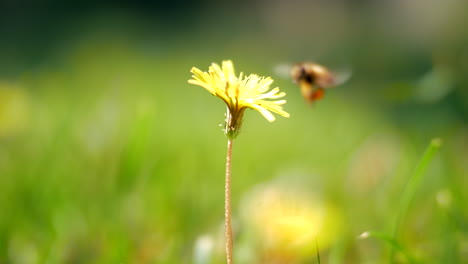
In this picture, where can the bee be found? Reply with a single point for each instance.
(313, 79)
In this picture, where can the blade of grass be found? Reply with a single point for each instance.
(394, 244)
(410, 189)
(318, 253)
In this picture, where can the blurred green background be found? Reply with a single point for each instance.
(108, 155)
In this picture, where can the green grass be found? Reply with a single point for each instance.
(410, 190)
(119, 160)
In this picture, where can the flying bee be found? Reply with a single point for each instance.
(313, 79)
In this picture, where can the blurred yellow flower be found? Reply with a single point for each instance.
(289, 223)
(239, 93)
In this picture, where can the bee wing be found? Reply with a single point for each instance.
(342, 76)
(283, 70)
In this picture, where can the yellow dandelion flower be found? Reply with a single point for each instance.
(239, 93)
(288, 223)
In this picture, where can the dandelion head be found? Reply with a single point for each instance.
(290, 222)
(239, 93)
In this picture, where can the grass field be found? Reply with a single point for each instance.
(108, 155)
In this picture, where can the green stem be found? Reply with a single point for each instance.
(227, 204)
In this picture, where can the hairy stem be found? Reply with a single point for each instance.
(227, 204)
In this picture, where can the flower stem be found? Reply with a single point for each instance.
(227, 204)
